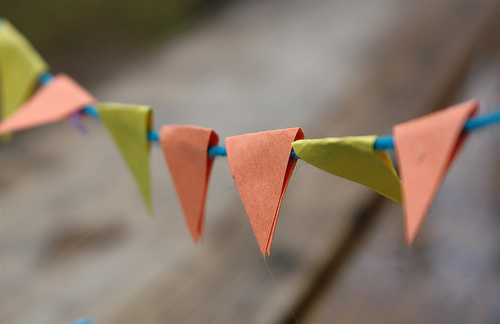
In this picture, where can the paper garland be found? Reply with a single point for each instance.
(261, 167)
(261, 163)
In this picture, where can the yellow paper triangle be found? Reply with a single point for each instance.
(353, 158)
(129, 125)
(20, 67)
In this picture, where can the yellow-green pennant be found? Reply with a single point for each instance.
(20, 67)
(129, 126)
(353, 158)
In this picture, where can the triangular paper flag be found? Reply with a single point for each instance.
(425, 148)
(20, 67)
(261, 167)
(55, 101)
(185, 149)
(353, 158)
(129, 126)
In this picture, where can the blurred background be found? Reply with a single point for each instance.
(76, 240)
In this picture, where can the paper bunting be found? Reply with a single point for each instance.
(185, 149)
(261, 167)
(261, 163)
(20, 67)
(129, 125)
(425, 149)
(55, 101)
(353, 158)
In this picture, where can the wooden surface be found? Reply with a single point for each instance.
(76, 241)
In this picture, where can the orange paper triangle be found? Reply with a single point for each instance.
(261, 167)
(185, 149)
(425, 149)
(55, 101)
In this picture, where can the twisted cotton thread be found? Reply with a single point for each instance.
(381, 143)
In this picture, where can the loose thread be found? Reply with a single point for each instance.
(486, 119)
(281, 292)
(381, 143)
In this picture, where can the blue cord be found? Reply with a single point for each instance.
(46, 77)
(153, 136)
(381, 143)
(91, 111)
(217, 151)
(474, 123)
(384, 143)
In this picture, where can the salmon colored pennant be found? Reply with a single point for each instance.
(129, 126)
(185, 149)
(20, 67)
(425, 148)
(261, 167)
(353, 158)
(55, 101)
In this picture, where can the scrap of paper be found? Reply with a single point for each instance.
(129, 126)
(185, 150)
(55, 101)
(353, 158)
(425, 149)
(20, 67)
(261, 167)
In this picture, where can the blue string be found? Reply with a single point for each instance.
(91, 111)
(46, 77)
(217, 151)
(474, 123)
(153, 136)
(384, 143)
(381, 143)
